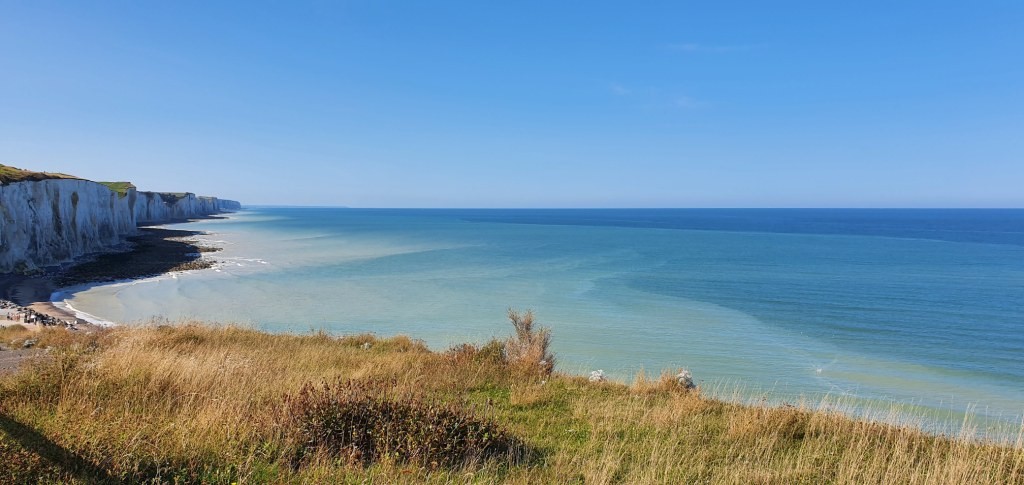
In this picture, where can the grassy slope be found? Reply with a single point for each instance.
(172, 197)
(121, 188)
(199, 403)
(10, 175)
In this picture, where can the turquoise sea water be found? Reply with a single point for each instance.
(919, 308)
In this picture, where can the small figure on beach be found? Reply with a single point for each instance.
(27, 315)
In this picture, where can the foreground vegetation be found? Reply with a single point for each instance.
(196, 403)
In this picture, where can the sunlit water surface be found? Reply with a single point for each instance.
(921, 309)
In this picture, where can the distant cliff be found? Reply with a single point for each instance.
(160, 207)
(48, 219)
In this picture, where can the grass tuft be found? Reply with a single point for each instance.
(529, 349)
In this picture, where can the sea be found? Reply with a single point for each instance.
(913, 316)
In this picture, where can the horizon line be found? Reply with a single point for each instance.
(319, 206)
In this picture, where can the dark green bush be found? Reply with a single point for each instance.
(366, 421)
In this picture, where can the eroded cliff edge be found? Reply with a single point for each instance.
(49, 219)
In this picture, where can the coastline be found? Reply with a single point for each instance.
(839, 374)
(33, 293)
(154, 251)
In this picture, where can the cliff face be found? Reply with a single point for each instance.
(52, 221)
(225, 205)
(161, 207)
(48, 222)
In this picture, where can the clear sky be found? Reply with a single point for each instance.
(525, 104)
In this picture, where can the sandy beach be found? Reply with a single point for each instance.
(32, 292)
(26, 292)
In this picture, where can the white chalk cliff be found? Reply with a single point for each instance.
(160, 207)
(49, 222)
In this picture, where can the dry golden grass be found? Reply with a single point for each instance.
(9, 174)
(528, 348)
(195, 403)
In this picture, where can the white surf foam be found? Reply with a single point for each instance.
(59, 300)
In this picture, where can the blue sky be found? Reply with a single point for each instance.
(525, 104)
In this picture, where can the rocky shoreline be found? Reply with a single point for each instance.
(155, 251)
(152, 252)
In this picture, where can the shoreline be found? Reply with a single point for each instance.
(154, 251)
(33, 293)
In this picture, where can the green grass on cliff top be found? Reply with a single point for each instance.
(9, 175)
(121, 188)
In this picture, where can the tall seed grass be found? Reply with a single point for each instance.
(529, 347)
